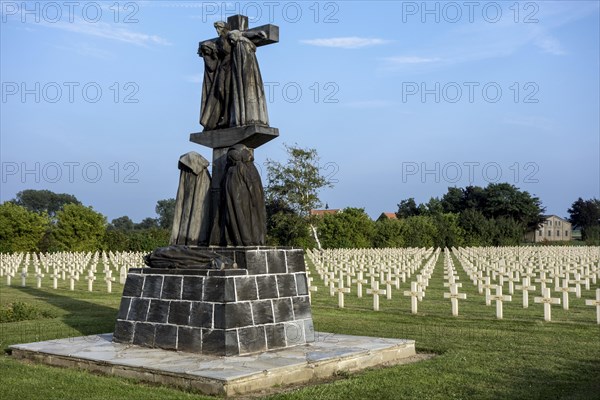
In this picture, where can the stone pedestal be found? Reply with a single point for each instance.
(262, 305)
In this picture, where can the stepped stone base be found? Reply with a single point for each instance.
(329, 355)
(261, 305)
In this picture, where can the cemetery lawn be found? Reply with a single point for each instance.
(476, 356)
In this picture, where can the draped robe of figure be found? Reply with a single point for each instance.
(215, 110)
(248, 102)
(191, 224)
(208, 51)
(243, 213)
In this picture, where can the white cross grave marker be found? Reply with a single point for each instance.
(375, 292)
(499, 298)
(454, 296)
(547, 301)
(595, 303)
(415, 294)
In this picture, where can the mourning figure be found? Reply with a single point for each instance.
(192, 206)
(243, 214)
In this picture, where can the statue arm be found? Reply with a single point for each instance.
(255, 35)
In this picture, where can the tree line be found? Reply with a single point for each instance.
(41, 220)
(499, 214)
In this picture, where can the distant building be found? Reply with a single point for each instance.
(553, 229)
(387, 215)
(320, 213)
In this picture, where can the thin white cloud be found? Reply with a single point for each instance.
(110, 31)
(550, 45)
(411, 60)
(104, 30)
(350, 42)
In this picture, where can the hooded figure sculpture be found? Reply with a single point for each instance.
(243, 213)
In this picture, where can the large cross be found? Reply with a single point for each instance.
(240, 23)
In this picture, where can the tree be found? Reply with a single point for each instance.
(351, 228)
(448, 230)
(388, 233)
(419, 231)
(147, 223)
(292, 191)
(123, 223)
(452, 201)
(79, 228)
(41, 201)
(505, 200)
(21, 230)
(407, 208)
(585, 214)
(166, 212)
(478, 230)
(297, 183)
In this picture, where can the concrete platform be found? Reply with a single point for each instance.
(328, 355)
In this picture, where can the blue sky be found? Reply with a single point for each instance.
(401, 99)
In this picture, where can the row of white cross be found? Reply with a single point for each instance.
(490, 269)
(69, 267)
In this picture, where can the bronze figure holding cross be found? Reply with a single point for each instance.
(232, 91)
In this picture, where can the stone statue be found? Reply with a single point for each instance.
(187, 257)
(191, 224)
(242, 219)
(232, 91)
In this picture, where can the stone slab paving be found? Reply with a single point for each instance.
(329, 354)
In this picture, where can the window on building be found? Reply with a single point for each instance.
(540, 233)
(549, 232)
(566, 233)
(558, 232)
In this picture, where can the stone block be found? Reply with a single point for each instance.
(138, 309)
(144, 334)
(232, 345)
(276, 262)
(295, 261)
(179, 312)
(213, 341)
(301, 307)
(158, 311)
(252, 339)
(171, 288)
(219, 289)
(294, 333)
(267, 286)
(245, 288)
(286, 285)
(275, 336)
(256, 262)
(202, 315)
(262, 311)
(123, 332)
(133, 285)
(153, 286)
(232, 315)
(124, 308)
(283, 310)
(192, 288)
(166, 337)
(301, 284)
(189, 339)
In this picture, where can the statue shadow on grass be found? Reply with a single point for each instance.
(82, 318)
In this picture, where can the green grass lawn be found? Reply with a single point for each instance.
(477, 356)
